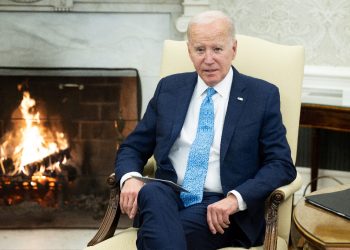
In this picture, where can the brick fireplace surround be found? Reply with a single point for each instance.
(96, 109)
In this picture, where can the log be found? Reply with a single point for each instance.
(31, 168)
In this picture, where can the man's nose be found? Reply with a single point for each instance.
(208, 57)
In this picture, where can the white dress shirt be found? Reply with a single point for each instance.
(180, 150)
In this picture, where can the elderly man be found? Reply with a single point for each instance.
(217, 133)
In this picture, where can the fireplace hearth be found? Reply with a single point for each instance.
(78, 116)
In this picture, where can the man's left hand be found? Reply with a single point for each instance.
(219, 212)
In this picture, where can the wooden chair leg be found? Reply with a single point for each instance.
(271, 217)
(112, 215)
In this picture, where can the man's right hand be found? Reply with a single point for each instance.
(128, 196)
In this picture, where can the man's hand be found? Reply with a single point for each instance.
(218, 213)
(128, 196)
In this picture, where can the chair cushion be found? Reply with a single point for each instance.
(122, 240)
(126, 240)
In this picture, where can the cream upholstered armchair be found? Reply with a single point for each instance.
(279, 64)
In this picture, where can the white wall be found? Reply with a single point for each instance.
(321, 26)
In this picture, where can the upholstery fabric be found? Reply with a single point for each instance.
(126, 239)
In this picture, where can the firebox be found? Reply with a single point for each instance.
(59, 131)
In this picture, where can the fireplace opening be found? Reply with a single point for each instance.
(59, 131)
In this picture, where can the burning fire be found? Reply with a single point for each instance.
(32, 149)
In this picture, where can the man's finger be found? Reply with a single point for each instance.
(130, 203)
(121, 203)
(223, 220)
(210, 221)
(133, 210)
(226, 219)
(219, 228)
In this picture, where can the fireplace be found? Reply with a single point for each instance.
(76, 44)
(59, 131)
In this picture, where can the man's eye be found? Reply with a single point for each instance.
(199, 50)
(217, 50)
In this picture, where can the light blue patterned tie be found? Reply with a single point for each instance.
(197, 164)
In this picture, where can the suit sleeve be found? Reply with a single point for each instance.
(138, 147)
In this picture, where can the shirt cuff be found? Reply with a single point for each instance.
(128, 176)
(241, 203)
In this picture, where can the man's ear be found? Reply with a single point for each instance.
(234, 48)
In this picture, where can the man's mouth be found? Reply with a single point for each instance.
(209, 70)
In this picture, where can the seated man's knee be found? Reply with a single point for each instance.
(151, 188)
(154, 191)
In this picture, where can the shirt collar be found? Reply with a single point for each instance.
(222, 88)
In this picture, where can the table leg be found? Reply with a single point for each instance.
(315, 157)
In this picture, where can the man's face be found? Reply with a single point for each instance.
(211, 50)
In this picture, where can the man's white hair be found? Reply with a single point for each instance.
(209, 17)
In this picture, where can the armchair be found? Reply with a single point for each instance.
(279, 64)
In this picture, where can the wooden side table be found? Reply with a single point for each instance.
(318, 228)
(319, 117)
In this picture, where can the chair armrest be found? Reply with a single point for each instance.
(291, 188)
(112, 215)
(273, 202)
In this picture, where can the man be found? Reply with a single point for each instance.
(216, 132)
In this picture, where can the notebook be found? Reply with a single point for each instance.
(175, 186)
(336, 202)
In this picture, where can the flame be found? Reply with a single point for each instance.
(33, 141)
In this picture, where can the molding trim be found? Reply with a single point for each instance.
(191, 8)
(138, 6)
(326, 85)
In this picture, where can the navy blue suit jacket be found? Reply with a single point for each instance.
(255, 157)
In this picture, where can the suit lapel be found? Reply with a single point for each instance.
(183, 97)
(238, 98)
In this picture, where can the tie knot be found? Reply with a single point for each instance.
(210, 92)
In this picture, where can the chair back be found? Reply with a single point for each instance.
(281, 65)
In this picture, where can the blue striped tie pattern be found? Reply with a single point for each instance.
(197, 164)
